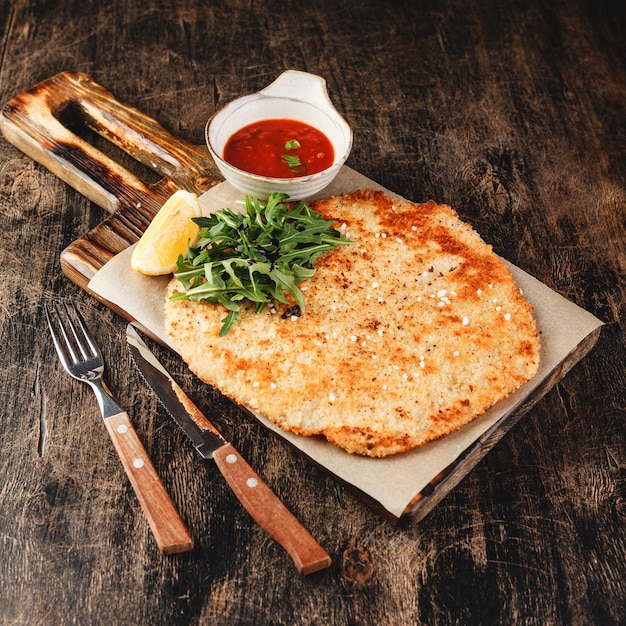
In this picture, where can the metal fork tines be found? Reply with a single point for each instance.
(80, 356)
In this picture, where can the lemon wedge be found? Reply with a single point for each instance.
(168, 235)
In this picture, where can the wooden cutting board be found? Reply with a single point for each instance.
(45, 122)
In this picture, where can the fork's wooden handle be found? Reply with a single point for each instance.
(269, 512)
(168, 528)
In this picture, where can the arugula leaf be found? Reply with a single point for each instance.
(260, 255)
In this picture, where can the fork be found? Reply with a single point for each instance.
(80, 356)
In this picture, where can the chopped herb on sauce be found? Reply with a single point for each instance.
(292, 144)
(292, 160)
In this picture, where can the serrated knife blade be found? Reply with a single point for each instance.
(257, 498)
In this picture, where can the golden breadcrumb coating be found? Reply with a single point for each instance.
(407, 336)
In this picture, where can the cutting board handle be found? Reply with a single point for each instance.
(39, 122)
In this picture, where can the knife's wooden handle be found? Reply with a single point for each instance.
(168, 528)
(270, 513)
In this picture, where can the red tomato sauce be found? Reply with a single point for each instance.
(279, 148)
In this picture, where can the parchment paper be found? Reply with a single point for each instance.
(393, 481)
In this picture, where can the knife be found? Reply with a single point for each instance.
(257, 498)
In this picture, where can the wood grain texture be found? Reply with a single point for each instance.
(513, 113)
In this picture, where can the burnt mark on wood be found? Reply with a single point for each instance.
(110, 181)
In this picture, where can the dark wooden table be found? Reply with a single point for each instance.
(512, 112)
